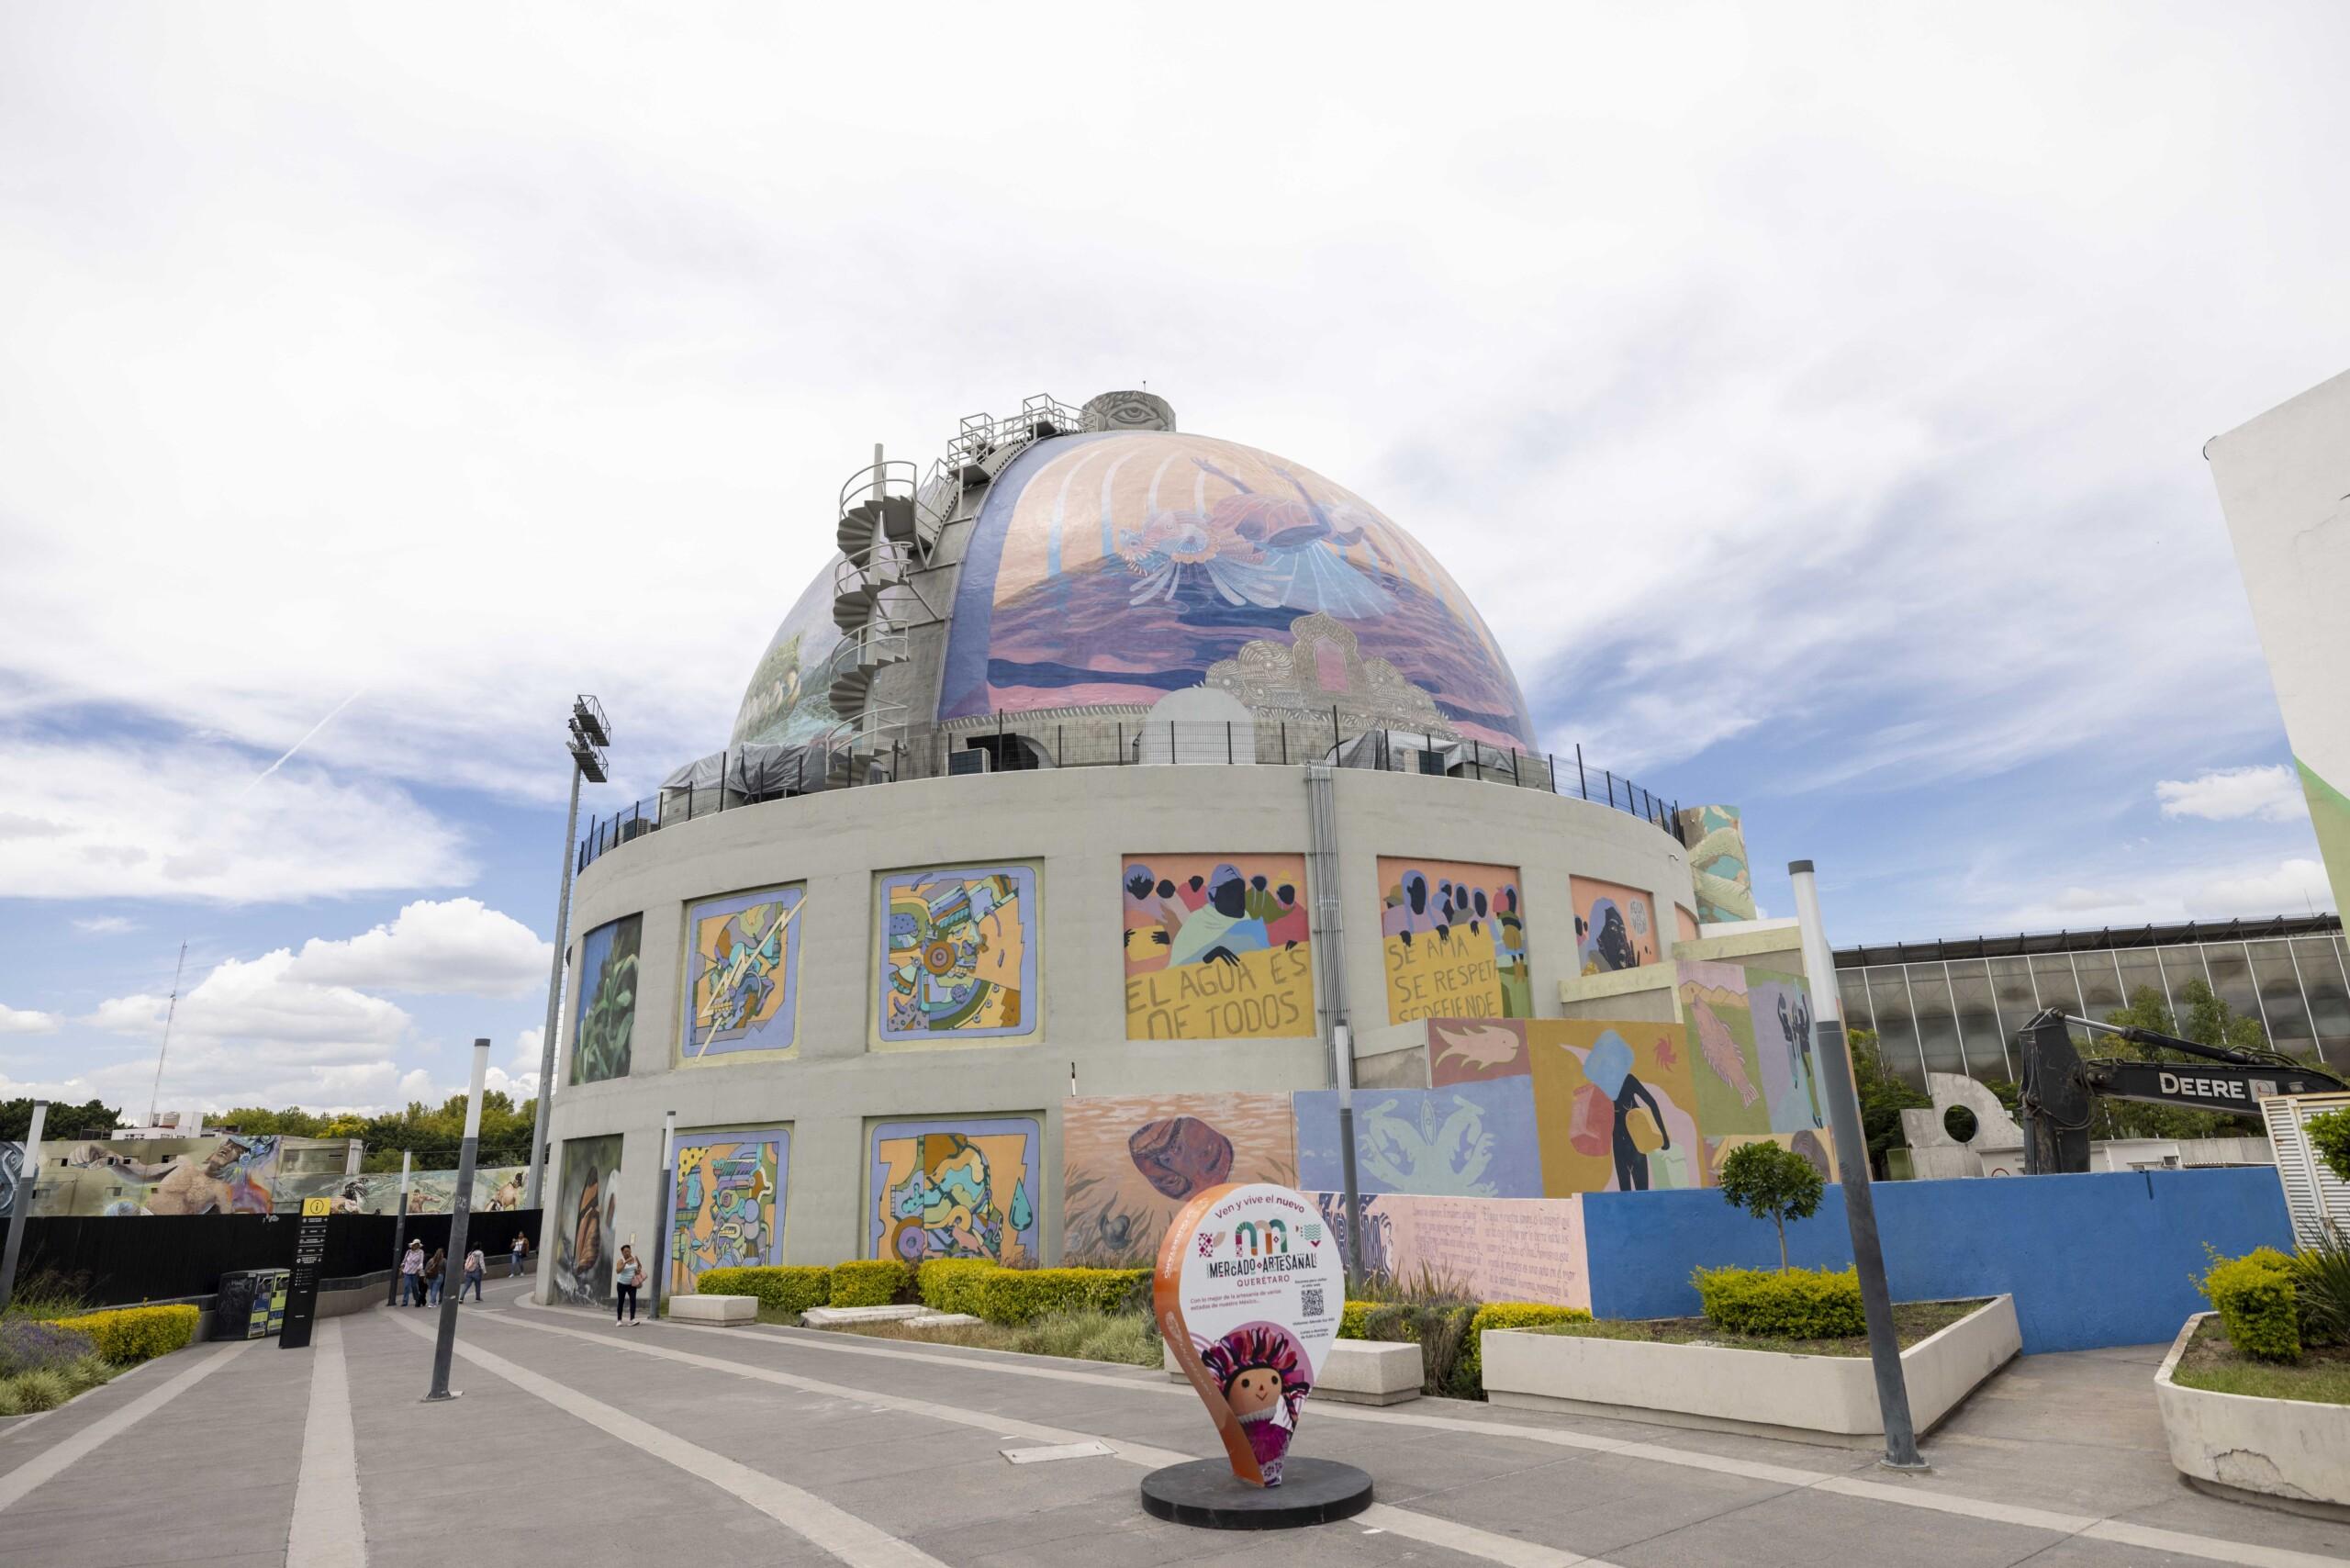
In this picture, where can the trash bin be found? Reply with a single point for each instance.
(233, 1309)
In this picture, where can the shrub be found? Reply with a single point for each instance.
(133, 1334)
(2329, 1136)
(2254, 1297)
(1440, 1329)
(792, 1287)
(1791, 1304)
(2322, 1288)
(27, 1345)
(1017, 1295)
(1773, 1184)
(952, 1284)
(44, 1390)
(1351, 1319)
(872, 1282)
(1505, 1314)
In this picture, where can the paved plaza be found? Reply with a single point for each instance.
(582, 1444)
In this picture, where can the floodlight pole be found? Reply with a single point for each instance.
(445, 1343)
(399, 1230)
(1832, 1065)
(590, 733)
(21, 1207)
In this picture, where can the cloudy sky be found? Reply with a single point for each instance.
(1812, 399)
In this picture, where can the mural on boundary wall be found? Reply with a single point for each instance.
(960, 1187)
(1494, 1248)
(958, 954)
(741, 974)
(1454, 936)
(585, 1220)
(604, 1016)
(222, 1173)
(495, 1188)
(1217, 947)
(727, 1203)
(1749, 1043)
(1468, 1140)
(1615, 926)
(1128, 1162)
(1615, 1106)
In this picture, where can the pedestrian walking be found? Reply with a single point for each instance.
(627, 1274)
(475, 1267)
(413, 1273)
(436, 1269)
(514, 1254)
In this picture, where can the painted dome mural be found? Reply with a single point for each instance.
(787, 703)
(1115, 568)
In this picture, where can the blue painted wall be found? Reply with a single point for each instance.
(2091, 1260)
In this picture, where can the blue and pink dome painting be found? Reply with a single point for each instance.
(1115, 568)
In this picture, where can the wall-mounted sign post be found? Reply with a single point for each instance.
(1246, 1294)
(302, 1287)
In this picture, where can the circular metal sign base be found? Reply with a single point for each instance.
(1207, 1494)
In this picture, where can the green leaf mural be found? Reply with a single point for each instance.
(607, 1011)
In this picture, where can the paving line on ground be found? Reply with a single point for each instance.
(1513, 1552)
(831, 1528)
(2216, 1549)
(66, 1453)
(327, 1530)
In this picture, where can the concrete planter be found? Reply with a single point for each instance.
(2283, 1452)
(1813, 1399)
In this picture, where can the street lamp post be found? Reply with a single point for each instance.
(591, 732)
(445, 1343)
(21, 1203)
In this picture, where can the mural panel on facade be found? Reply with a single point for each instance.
(958, 954)
(1454, 940)
(604, 1017)
(957, 1188)
(1717, 841)
(1615, 1106)
(1748, 1032)
(1816, 1145)
(741, 974)
(1128, 1162)
(1469, 1140)
(221, 1174)
(1217, 947)
(1489, 1248)
(1615, 926)
(726, 1203)
(1470, 1050)
(586, 1223)
(1116, 569)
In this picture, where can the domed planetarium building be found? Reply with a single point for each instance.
(1105, 777)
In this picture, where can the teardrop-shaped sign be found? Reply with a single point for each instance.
(1248, 1293)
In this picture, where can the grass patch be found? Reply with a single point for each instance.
(1126, 1338)
(1912, 1321)
(2321, 1377)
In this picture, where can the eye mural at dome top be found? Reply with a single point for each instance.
(1115, 568)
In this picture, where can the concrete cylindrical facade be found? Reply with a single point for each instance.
(1074, 826)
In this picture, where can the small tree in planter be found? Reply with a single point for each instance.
(2330, 1136)
(1773, 1184)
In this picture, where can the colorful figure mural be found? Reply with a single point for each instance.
(958, 954)
(1469, 1140)
(495, 1188)
(741, 974)
(1454, 936)
(1115, 568)
(222, 1174)
(726, 1203)
(1750, 1034)
(1129, 1162)
(586, 1221)
(1613, 1106)
(1718, 863)
(604, 1017)
(956, 1189)
(1217, 947)
(1469, 1050)
(1782, 1009)
(788, 701)
(1615, 926)
(1491, 1248)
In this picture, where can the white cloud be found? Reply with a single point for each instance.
(104, 924)
(145, 820)
(453, 947)
(2220, 891)
(2230, 794)
(25, 1021)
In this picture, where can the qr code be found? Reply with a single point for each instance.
(1309, 1302)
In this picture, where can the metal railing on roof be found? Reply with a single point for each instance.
(1022, 743)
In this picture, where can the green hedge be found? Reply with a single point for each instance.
(1792, 1303)
(872, 1282)
(134, 1334)
(793, 1288)
(952, 1284)
(1470, 1374)
(2255, 1297)
(1017, 1295)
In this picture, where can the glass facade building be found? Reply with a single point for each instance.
(1955, 1006)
